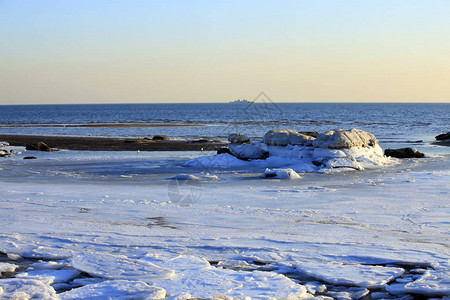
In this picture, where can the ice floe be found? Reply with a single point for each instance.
(17, 288)
(115, 289)
(110, 266)
(351, 275)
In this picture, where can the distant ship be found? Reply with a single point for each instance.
(243, 101)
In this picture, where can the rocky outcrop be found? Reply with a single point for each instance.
(284, 137)
(403, 153)
(443, 137)
(160, 138)
(238, 138)
(345, 139)
(40, 146)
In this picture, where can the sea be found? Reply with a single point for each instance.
(394, 124)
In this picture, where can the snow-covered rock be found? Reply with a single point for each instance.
(281, 174)
(248, 151)
(341, 138)
(7, 267)
(238, 138)
(283, 137)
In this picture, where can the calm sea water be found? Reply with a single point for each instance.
(394, 124)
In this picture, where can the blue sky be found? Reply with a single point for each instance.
(64, 51)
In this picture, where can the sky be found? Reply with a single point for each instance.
(132, 51)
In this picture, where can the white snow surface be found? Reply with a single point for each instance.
(70, 212)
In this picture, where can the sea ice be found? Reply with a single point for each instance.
(115, 289)
(431, 283)
(50, 276)
(110, 266)
(182, 177)
(18, 288)
(351, 275)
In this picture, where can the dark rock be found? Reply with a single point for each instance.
(444, 136)
(224, 150)
(403, 153)
(40, 146)
(160, 138)
(30, 157)
(313, 134)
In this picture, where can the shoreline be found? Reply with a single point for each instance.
(110, 144)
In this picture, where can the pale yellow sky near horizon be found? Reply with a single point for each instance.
(171, 51)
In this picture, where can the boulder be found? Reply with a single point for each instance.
(160, 138)
(4, 153)
(30, 157)
(284, 137)
(444, 136)
(222, 150)
(238, 138)
(40, 146)
(247, 151)
(403, 153)
(345, 139)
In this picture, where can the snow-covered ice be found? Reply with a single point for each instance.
(77, 229)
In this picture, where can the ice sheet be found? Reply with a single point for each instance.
(74, 209)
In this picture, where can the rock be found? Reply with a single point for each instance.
(30, 157)
(222, 150)
(40, 146)
(160, 138)
(284, 137)
(403, 153)
(345, 139)
(444, 136)
(247, 151)
(238, 138)
(280, 174)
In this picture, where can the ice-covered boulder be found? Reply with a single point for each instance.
(284, 137)
(238, 138)
(344, 139)
(248, 151)
(280, 174)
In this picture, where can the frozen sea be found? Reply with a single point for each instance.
(99, 225)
